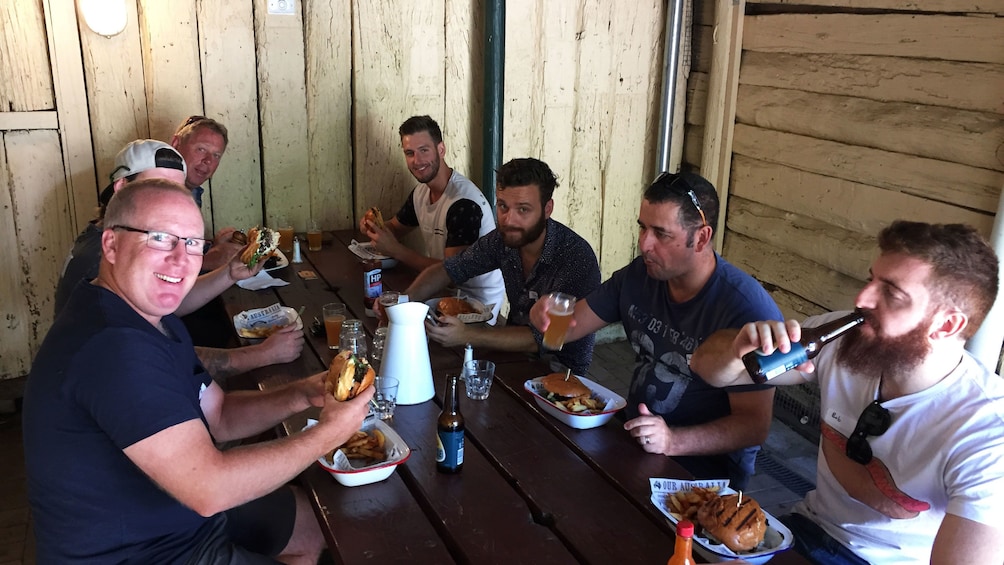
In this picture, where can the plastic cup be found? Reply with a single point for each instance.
(479, 377)
(560, 307)
(334, 315)
(384, 397)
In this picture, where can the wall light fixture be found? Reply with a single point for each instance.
(104, 17)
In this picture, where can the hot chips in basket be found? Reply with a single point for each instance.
(684, 504)
(368, 446)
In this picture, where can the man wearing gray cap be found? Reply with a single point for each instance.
(148, 158)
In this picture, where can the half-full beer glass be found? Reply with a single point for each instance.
(560, 307)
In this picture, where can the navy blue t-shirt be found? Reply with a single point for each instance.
(104, 379)
(664, 334)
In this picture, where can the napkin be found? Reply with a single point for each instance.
(260, 281)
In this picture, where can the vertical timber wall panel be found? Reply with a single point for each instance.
(595, 87)
(230, 95)
(39, 209)
(25, 79)
(115, 91)
(283, 110)
(328, 50)
(398, 72)
(464, 86)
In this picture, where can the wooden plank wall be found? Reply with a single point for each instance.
(851, 114)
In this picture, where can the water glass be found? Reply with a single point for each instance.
(384, 397)
(353, 338)
(379, 342)
(479, 378)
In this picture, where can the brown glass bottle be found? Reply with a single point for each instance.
(372, 284)
(763, 367)
(450, 431)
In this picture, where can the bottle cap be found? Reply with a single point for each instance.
(685, 528)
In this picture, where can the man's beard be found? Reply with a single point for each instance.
(527, 236)
(880, 355)
(433, 171)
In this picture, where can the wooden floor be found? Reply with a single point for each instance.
(788, 457)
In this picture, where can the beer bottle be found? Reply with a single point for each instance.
(684, 544)
(450, 431)
(763, 367)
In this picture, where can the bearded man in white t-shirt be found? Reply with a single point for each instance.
(450, 210)
(911, 454)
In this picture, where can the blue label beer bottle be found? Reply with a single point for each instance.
(763, 367)
(450, 431)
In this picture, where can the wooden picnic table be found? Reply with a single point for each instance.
(532, 489)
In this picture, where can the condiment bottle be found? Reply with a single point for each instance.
(468, 357)
(450, 431)
(684, 544)
(763, 367)
(297, 258)
(372, 284)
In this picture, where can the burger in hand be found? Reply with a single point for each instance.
(261, 244)
(348, 375)
(374, 216)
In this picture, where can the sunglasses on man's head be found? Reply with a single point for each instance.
(684, 189)
(193, 119)
(874, 421)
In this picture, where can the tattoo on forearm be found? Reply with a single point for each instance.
(217, 361)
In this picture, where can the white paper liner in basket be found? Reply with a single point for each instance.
(777, 539)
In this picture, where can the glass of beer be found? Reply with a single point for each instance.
(285, 236)
(560, 307)
(314, 236)
(334, 315)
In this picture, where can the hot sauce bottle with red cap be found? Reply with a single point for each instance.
(684, 544)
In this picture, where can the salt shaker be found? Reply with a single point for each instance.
(296, 251)
(468, 357)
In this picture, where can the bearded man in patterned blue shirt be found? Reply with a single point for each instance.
(536, 254)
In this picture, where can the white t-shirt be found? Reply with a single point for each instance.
(943, 453)
(489, 288)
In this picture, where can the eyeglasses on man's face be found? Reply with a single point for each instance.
(163, 241)
(683, 189)
(874, 421)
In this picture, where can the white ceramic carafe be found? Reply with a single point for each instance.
(406, 354)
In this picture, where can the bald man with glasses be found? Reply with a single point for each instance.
(670, 299)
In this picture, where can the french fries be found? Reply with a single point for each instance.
(580, 404)
(684, 504)
(362, 445)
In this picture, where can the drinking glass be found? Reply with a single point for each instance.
(334, 315)
(379, 343)
(285, 235)
(384, 397)
(479, 378)
(353, 338)
(560, 307)
(387, 299)
(314, 236)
